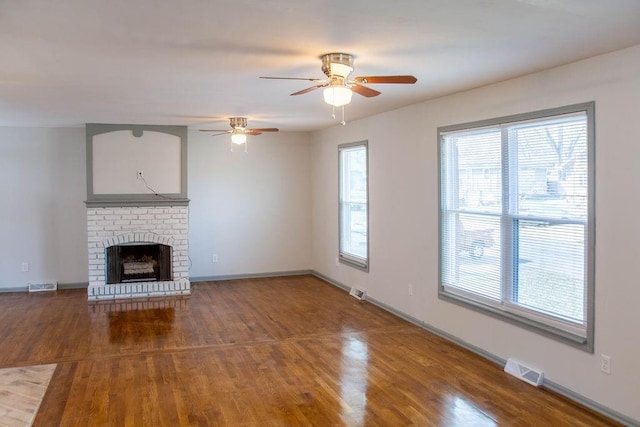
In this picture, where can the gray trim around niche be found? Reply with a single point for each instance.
(145, 199)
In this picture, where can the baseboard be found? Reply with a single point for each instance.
(549, 385)
(80, 285)
(250, 276)
(15, 289)
(588, 403)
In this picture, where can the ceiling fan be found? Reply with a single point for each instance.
(239, 130)
(338, 86)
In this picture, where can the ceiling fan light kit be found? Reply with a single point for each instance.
(337, 95)
(337, 67)
(238, 136)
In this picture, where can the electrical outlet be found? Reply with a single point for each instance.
(605, 364)
(139, 174)
(25, 267)
(410, 289)
(214, 258)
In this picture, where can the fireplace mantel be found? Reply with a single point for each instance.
(117, 202)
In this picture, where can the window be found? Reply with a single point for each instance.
(517, 220)
(354, 205)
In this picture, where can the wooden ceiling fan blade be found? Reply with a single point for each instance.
(385, 79)
(309, 89)
(364, 91)
(219, 132)
(262, 130)
(293, 78)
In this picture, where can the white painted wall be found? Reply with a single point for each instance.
(252, 209)
(43, 217)
(404, 219)
(118, 156)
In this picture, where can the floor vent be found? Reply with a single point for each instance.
(43, 286)
(357, 293)
(523, 372)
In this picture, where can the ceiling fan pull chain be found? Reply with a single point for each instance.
(343, 122)
(333, 112)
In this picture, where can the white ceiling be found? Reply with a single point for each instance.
(198, 62)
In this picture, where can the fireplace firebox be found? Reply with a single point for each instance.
(138, 262)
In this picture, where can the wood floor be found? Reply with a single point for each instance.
(262, 352)
(21, 391)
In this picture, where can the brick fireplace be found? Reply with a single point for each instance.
(110, 227)
(137, 211)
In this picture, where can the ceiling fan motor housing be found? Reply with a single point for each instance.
(238, 122)
(337, 64)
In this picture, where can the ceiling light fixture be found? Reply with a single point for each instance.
(337, 67)
(238, 136)
(337, 95)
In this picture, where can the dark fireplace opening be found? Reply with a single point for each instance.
(138, 262)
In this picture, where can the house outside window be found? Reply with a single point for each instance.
(517, 220)
(354, 205)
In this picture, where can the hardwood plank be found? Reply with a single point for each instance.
(274, 351)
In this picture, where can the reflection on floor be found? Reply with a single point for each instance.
(21, 391)
(143, 325)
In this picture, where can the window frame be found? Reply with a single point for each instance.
(541, 325)
(344, 257)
